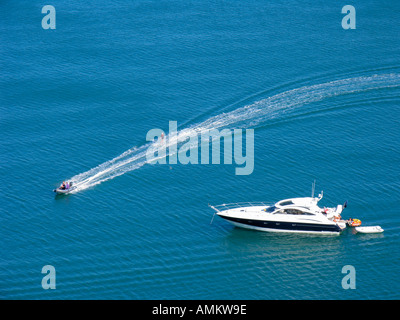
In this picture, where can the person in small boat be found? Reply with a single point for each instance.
(62, 187)
(67, 185)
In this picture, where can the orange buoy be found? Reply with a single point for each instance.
(354, 222)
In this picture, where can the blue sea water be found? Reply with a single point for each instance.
(77, 102)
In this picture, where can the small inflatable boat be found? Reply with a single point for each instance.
(373, 229)
(64, 191)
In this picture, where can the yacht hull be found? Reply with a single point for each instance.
(281, 226)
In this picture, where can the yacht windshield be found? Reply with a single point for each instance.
(286, 203)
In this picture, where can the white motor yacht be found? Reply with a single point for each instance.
(301, 215)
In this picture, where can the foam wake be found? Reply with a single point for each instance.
(248, 116)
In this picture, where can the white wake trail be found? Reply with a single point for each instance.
(246, 117)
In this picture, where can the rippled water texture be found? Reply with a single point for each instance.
(77, 102)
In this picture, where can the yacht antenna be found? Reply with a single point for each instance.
(313, 189)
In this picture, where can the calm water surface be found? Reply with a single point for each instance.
(323, 103)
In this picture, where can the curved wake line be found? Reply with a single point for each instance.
(245, 117)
